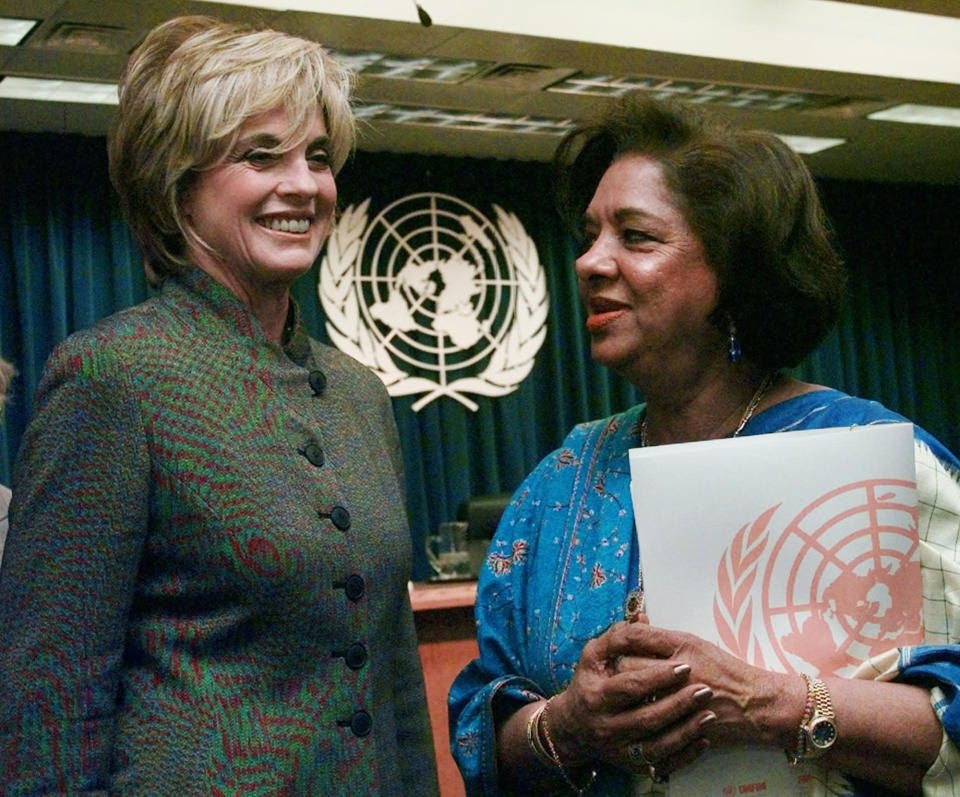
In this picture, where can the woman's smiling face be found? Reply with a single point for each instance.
(644, 278)
(264, 215)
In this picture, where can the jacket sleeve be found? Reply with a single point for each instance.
(414, 737)
(417, 762)
(78, 521)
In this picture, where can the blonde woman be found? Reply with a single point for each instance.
(205, 583)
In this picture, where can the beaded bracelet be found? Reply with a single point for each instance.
(541, 722)
(796, 758)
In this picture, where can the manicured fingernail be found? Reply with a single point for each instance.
(681, 669)
(708, 719)
(703, 691)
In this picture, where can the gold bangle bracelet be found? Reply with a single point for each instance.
(796, 757)
(542, 722)
(533, 736)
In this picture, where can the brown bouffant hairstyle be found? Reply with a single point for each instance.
(750, 200)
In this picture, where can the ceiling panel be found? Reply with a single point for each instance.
(89, 40)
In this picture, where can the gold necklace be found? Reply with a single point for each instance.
(765, 384)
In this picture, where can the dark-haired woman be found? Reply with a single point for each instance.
(707, 271)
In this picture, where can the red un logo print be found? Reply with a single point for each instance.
(832, 586)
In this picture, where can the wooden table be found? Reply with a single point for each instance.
(446, 633)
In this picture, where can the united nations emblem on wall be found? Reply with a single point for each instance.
(435, 297)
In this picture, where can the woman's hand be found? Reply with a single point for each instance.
(889, 734)
(631, 703)
(751, 704)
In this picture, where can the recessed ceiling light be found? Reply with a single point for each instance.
(89, 37)
(356, 60)
(471, 120)
(423, 68)
(807, 145)
(28, 88)
(694, 91)
(13, 31)
(463, 120)
(919, 115)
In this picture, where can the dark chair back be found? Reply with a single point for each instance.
(483, 513)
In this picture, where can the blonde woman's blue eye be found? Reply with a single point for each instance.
(259, 157)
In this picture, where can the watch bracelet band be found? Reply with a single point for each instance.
(821, 697)
(818, 710)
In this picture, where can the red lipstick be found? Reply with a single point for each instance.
(598, 321)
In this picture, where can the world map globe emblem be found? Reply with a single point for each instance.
(440, 283)
(435, 297)
(843, 581)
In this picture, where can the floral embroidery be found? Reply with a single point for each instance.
(600, 486)
(597, 577)
(468, 741)
(565, 458)
(519, 551)
(499, 564)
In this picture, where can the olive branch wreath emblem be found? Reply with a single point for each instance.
(508, 365)
(736, 574)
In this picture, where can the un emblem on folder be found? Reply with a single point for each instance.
(434, 297)
(840, 583)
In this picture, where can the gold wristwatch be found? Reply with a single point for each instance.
(818, 727)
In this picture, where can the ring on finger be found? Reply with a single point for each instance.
(637, 756)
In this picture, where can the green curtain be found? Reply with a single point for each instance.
(67, 259)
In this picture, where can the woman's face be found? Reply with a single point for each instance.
(264, 215)
(644, 279)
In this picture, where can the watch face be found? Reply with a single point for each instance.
(823, 733)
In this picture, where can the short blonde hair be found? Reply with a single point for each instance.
(184, 95)
(7, 372)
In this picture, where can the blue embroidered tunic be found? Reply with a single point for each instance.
(564, 560)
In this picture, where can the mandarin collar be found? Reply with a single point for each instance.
(204, 292)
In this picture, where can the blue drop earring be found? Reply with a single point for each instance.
(734, 353)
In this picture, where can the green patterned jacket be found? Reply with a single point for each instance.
(204, 584)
